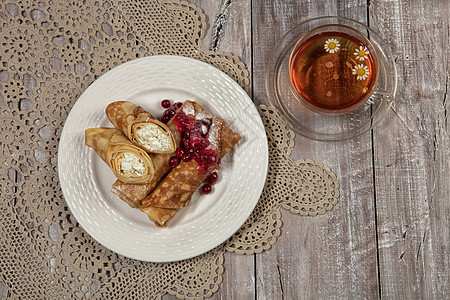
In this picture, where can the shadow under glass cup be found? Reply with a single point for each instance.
(331, 78)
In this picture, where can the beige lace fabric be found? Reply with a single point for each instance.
(50, 52)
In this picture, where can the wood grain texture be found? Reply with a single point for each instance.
(412, 161)
(333, 256)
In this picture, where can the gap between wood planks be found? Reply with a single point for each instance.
(372, 140)
(444, 101)
(280, 280)
(219, 24)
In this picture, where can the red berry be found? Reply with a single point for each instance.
(179, 152)
(174, 161)
(196, 140)
(170, 113)
(165, 118)
(177, 105)
(185, 157)
(212, 178)
(206, 189)
(186, 144)
(165, 103)
(205, 143)
(184, 121)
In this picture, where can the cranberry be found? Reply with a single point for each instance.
(165, 118)
(179, 152)
(196, 142)
(192, 151)
(212, 178)
(206, 189)
(205, 143)
(186, 144)
(182, 119)
(188, 125)
(170, 113)
(185, 157)
(208, 159)
(177, 105)
(165, 103)
(205, 157)
(174, 161)
(186, 135)
(178, 121)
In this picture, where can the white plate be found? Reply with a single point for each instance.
(209, 220)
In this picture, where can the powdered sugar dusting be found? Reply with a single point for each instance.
(202, 115)
(214, 133)
(204, 129)
(188, 108)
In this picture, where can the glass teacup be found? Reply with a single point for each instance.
(333, 69)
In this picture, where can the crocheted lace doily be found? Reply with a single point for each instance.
(50, 52)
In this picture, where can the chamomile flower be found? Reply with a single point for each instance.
(361, 53)
(332, 45)
(361, 71)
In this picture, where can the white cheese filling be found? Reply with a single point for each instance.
(130, 163)
(153, 138)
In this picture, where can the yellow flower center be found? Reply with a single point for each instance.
(332, 45)
(360, 72)
(361, 53)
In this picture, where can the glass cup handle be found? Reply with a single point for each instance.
(382, 95)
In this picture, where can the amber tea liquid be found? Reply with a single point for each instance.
(333, 71)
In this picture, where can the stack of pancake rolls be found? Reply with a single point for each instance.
(159, 164)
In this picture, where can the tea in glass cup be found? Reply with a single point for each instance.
(333, 69)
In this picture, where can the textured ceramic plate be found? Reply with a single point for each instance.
(209, 220)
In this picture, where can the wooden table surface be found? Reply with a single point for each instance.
(389, 236)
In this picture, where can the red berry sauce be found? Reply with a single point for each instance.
(194, 142)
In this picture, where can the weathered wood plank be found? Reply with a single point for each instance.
(412, 164)
(333, 256)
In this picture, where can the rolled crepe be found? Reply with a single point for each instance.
(176, 190)
(128, 162)
(134, 193)
(141, 127)
(131, 193)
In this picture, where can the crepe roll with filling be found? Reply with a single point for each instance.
(134, 193)
(141, 127)
(128, 162)
(177, 188)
